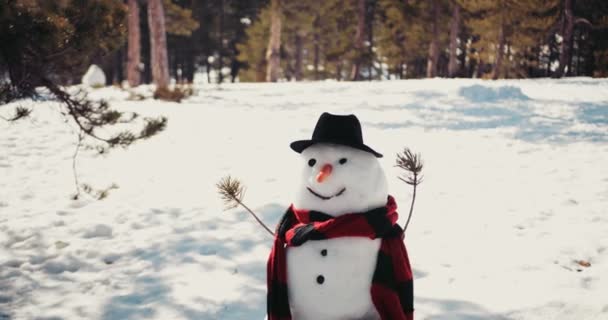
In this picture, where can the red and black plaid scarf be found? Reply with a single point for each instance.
(392, 289)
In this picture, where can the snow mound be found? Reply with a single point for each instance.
(99, 231)
(479, 93)
(94, 77)
(61, 266)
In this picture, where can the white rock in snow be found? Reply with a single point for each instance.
(94, 77)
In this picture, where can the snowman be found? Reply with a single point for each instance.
(338, 252)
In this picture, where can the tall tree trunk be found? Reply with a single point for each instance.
(548, 65)
(235, 65)
(220, 60)
(463, 58)
(298, 57)
(574, 53)
(508, 48)
(174, 66)
(359, 36)
(144, 27)
(454, 30)
(433, 58)
(109, 68)
(500, 51)
(316, 52)
(370, 39)
(189, 65)
(565, 55)
(120, 72)
(158, 43)
(273, 54)
(134, 45)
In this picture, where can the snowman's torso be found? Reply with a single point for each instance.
(331, 279)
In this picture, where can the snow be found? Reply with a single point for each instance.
(94, 77)
(515, 193)
(100, 230)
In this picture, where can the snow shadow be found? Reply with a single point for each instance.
(7, 291)
(28, 265)
(594, 113)
(223, 262)
(479, 94)
(151, 294)
(485, 107)
(448, 309)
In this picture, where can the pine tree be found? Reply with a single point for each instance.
(297, 38)
(43, 41)
(178, 20)
(594, 37)
(253, 49)
(397, 32)
(180, 26)
(335, 29)
(568, 23)
(507, 30)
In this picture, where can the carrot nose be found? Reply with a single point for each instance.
(324, 173)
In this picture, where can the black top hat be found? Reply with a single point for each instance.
(342, 130)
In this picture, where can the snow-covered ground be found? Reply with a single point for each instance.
(515, 193)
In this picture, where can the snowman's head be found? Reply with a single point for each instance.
(338, 179)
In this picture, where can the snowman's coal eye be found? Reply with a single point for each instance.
(312, 162)
(343, 161)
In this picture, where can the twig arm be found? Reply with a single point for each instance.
(232, 192)
(411, 163)
(409, 216)
(255, 217)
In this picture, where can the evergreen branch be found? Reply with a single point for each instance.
(20, 113)
(232, 192)
(89, 115)
(411, 163)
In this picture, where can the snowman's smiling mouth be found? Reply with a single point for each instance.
(325, 197)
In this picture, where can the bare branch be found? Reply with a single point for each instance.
(74, 169)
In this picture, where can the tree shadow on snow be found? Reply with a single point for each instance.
(448, 309)
(486, 107)
(150, 293)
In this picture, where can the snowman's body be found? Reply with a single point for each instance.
(331, 279)
(347, 269)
